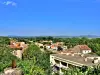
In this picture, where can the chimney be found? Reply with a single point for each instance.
(95, 60)
(82, 55)
(85, 59)
(67, 53)
(72, 54)
(61, 52)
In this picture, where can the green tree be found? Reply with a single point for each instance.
(5, 57)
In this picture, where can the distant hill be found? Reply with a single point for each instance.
(88, 36)
(91, 36)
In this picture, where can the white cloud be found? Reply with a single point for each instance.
(10, 3)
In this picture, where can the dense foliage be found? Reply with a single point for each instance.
(5, 54)
(41, 59)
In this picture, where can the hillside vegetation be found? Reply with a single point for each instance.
(35, 62)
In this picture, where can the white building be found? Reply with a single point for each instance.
(48, 47)
(63, 61)
(54, 47)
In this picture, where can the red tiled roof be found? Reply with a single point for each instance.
(84, 47)
(53, 45)
(12, 46)
(18, 45)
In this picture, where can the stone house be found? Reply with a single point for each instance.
(84, 49)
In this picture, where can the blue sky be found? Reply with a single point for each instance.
(49, 17)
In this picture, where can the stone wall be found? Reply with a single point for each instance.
(14, 71)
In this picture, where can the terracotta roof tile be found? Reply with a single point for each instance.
(84, 47)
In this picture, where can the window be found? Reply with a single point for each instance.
(64, 64)
(57, 61)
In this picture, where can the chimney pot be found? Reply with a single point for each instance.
(82, 55)
(85, 59)
(95, 60)
(72, 54)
